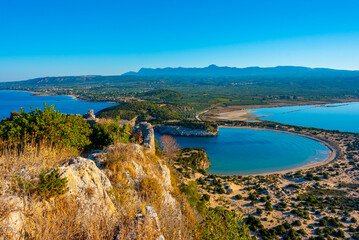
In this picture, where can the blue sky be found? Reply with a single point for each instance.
(107, 37)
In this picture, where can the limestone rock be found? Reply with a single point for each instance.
(87, 183)
(15, 219)
(166, 175)
(90, 115)
(148, 135)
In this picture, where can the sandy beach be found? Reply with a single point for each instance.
(239, 115)
(242, 112)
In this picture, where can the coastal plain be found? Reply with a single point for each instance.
(304, 196)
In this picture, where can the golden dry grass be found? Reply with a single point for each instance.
(64, 217)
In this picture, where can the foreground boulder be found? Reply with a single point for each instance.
(87, 183)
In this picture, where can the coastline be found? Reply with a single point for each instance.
(246, 112)
(333, 154)
(75, 97)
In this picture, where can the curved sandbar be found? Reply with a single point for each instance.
(333, 154)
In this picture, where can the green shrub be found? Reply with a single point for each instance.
(48, 185)
(107, 133)
(194, 198)
(46, 125)
(206, 197)
(254, 223)
(222, 224)
(296, 223)
(268, 207)
(238, 197)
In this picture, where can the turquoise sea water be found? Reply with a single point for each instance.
(13, 100)
(234, 151)
(248, 151)
(341, 116)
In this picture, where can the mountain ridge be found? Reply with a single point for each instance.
(188, 74)
(225, 71)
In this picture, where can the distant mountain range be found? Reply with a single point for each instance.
(211, 75)
(216, 71)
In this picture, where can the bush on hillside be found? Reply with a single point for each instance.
(140, 109)
(109, 132)
(194, 198)
(219, 223)
(46, 125)
(193, 124)
(48, 185)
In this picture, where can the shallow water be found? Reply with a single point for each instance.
(13, 100)
(249, 151)
(341, 116)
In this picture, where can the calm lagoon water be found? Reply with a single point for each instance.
(341, 116)
(13, 100)
(248, 151)
(234, 151)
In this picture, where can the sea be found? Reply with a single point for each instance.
(340, 116)
(13, 100)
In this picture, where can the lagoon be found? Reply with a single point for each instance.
(237, 151)
(14, 100)
(233, 151)
(341, 116)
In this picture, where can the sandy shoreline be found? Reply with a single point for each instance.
(243, 112)
(75, 97)
(333, 154)
(238, 115)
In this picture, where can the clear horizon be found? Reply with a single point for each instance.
(42, 38)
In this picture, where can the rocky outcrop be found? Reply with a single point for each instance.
(195, 157)
(93, 186)
(148, 135)
(147, 219)
(183, 131)
(87, 183)
(90, 115)
(15, 219)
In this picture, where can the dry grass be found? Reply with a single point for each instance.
(29, 159)
(175, 223)
(64, 217)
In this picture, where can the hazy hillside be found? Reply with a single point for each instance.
(216, 71)
(211, 74)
